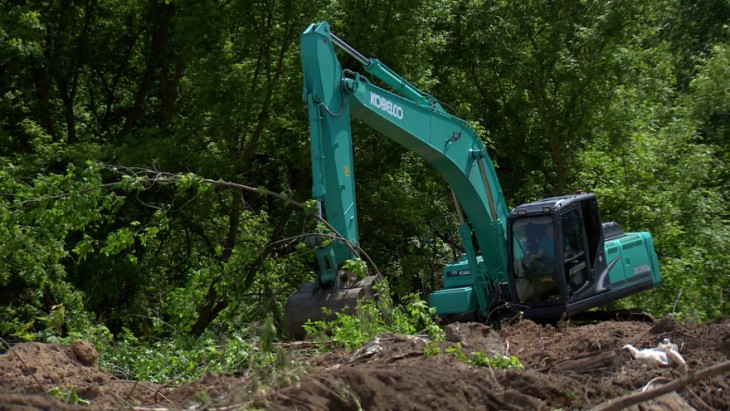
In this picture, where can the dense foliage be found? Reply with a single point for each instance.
(372, 318)
(122, 123)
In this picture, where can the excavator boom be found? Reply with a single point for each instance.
(414, 119)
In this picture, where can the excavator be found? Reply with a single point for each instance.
(544, 260)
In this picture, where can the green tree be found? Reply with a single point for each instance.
(628, 100)
(653, 171)
(534, 74)
(709, 100)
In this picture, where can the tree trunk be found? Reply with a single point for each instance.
(156, 60)
(43, 92)
(214, 303)
(68, 111)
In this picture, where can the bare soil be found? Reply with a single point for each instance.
(566, 367)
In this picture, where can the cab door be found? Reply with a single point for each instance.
(576, 263)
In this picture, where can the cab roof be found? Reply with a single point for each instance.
(551, 205)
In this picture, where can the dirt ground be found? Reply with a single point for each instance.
(568, 367)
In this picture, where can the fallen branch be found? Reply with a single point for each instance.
(402, 356)
(161, 177)
(136, 384)
(678, 384)
(300, 345)
(308, 405)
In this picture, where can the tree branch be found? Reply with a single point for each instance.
(678, 384)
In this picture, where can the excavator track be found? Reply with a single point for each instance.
(629, 314)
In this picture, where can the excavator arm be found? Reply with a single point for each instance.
(416, 121)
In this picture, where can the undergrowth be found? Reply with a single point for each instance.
(377, 316)
(249, 353)
(70, 396)
(477, 358)
(373, 317)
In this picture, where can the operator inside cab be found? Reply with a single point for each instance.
(534, 259)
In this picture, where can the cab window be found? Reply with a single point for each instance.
(574, 256)
(533, 255)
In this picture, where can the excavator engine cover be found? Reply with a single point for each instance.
(308, 302)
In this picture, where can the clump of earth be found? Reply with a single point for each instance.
(565, 367)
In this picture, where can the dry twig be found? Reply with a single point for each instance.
(293, 399)
(402, 356)
(586, 398)
(700, 401)
(678, 384)
(139, 384)
(32, 374)
(653, 381)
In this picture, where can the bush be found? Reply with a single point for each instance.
(374, 317)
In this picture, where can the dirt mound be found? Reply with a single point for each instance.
(568, 367)
(416, 383)
(35, 368)
(30, 374)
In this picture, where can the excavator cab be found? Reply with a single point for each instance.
(558, 251)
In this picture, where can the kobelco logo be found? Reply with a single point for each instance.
(386, 105)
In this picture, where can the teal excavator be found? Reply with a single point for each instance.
(544, 260)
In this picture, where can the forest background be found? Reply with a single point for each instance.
(124, 123)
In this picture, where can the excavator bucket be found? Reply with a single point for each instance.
(308, 302)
